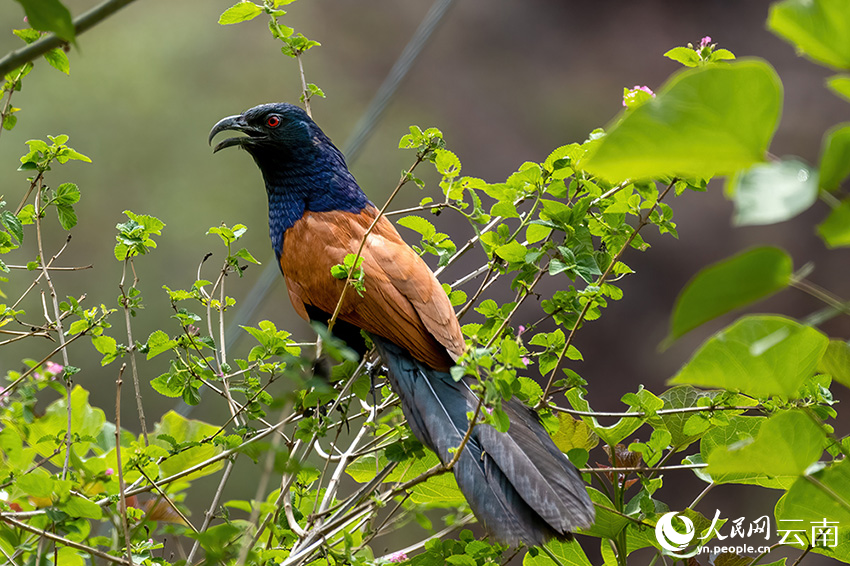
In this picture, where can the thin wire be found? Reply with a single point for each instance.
(351, 149)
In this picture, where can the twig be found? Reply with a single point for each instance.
(73, 268)
(304, 89)
(32, 468)
(702, 494)
(167, 499)
(268, 468)
(122, 500)
(44, 359)
(15, 84)
(641, 414)
(800, 558)
(42, 268)
(131, 346)
(208, 515)
(64, 541)
(440, 534)
(69, 384)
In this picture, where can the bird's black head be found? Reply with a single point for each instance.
(270, 128)
(301, 168)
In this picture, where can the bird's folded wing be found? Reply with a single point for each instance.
(402, 300)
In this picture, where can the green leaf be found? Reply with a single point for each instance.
(67, 216)
(825, 497)
(167, 387)
(37, 484)
(684, 55)
(835, 230)
(703, 122)
(246, 255)
(757, 355)
(107, 346)
(768, 193)
(58, 60)
(159, 342)
(836, 361)
(67, 193)
(567, 553)
(535, 233)
(612, 434)
(573, 433)
(840, 85)
(447, 163)
(85, 421)
(418, 224)
(77, 506)
(786, 445)
(728, 285)
(13, 225)
(608, 524)
(680, 397)
(187, 430)
(835, 157)
(49, 15)
(738, 432)
(512, 252)
(241, 12)
(817, 28)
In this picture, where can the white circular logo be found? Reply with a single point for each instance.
(667, 535)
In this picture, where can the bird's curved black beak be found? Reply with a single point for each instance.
(239, 124)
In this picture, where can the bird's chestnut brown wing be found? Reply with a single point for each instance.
(402, 300)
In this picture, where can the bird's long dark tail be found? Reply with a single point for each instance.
(520, 486)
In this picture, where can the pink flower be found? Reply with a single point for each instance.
(526, 360)
(520, 330)
(704, 42)
(53, 368)
(108, 472)
(397, 557)
(629, 96)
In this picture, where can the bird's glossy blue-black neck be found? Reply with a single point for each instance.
(303, 175)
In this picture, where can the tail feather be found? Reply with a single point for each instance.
(519, 485)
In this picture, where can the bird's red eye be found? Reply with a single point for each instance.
(273, 121)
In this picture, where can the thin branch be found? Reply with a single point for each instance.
(42, 269)
(268, 468)
(131, 346)
(641, 414)
(209, 514)
(73, 268)
(438, 535)
(122, 499)
(642, 469)
(43, 360)
(50, 536)
(168, 500)
(69, 384)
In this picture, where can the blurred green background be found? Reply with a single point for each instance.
(505, 81)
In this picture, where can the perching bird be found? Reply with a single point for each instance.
(519, 485)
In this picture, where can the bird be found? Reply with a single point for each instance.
(518, 484)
